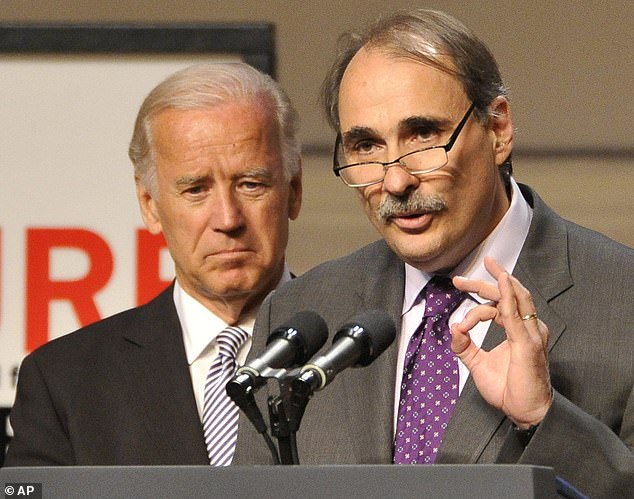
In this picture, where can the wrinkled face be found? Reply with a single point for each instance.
(389, 106)
(222, 202)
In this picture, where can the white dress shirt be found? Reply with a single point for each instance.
(503, 244)
(200, 328)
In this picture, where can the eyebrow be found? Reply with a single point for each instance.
(191, 179)
(256, 171)
(405, 126)
(417, 122)
(356, 133)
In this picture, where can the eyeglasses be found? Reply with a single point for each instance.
(417, 162)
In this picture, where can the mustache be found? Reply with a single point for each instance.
(414, 202)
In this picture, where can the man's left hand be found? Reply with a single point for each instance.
(512, 377)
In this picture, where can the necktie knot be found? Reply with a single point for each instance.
(229, 341)
(441, 297)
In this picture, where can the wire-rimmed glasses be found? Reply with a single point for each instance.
(416, 162)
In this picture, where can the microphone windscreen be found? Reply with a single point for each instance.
(380, 332)
(307, 330)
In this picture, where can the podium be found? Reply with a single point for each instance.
(318, 482)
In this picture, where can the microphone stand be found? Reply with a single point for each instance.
(285, 413)
(280, 429)
(286, 408)
(242, 391)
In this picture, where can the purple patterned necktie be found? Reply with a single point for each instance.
(429, 390)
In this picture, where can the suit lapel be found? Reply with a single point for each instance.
(367, 393)
(543, 266)
(160, 382)
(543, 269)
(372, 404)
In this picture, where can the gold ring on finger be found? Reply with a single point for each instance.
(530, 317)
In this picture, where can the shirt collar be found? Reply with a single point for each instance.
(504, 244)
(201, 326)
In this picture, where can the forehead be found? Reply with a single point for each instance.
(378, 88)
(222, 119)
(245, 125)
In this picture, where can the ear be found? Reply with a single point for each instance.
(295, 195)
(500, 125)
(148, 206)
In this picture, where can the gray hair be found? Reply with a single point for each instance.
(430, 37)
(208, 85)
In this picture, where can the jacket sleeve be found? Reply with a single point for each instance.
(40, 437)
(584, 451)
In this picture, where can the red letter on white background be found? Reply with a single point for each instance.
(148, 264)
(41, 290)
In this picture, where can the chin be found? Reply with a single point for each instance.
(420, 254)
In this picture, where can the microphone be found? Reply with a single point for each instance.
(288, 345)
(356, 343)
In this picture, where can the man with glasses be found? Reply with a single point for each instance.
(515, 326)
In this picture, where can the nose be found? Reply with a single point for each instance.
(226, 212)
(398, 180)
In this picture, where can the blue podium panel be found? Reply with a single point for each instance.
(319, 482)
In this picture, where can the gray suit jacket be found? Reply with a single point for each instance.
(583, 287)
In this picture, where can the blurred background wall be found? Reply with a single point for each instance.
(569, 65)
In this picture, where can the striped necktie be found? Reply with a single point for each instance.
(220, 414)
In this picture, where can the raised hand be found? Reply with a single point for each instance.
(513, 377)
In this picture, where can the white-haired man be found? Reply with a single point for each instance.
(218, 172)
